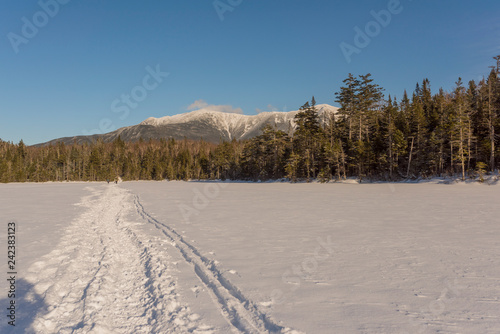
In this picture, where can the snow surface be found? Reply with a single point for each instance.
(205, 257)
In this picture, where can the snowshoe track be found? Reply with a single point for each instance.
(104, 278)
(238, 310)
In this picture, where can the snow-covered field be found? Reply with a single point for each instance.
(202, 257)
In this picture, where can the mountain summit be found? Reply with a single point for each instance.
(211, 126)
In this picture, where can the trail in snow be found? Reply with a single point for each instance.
(102, 278)
(107, 275)
(238, 310)
(403, 259)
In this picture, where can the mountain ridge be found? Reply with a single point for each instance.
(209, 125)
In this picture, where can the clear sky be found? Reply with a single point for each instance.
(67, 66)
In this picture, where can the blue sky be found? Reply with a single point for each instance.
(69, 76)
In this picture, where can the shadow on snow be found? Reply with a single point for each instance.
(27, 305)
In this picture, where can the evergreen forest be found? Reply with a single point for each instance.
(423, 134)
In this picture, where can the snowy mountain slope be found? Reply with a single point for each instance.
(237, 126)
(206, 124)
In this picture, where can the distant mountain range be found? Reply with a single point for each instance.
(209, 125)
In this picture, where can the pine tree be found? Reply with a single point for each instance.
(348, 98)
(370, 98)
(307, 140)
(460, 132)
(390, 116)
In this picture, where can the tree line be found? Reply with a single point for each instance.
(371, 137)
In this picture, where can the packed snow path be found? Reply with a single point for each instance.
(103, 277)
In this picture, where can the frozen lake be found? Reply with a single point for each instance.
(201, 257)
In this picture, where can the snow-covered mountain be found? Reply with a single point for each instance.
(206, 124)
